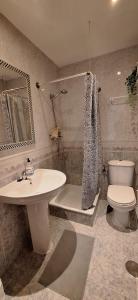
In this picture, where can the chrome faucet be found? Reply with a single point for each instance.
(24, 177)
(28, 178)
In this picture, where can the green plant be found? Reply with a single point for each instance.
(131, 83)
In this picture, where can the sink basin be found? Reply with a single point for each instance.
(45, 184)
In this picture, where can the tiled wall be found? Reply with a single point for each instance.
(69, 112)
(74, 165)
(18, 51)
(119, 123)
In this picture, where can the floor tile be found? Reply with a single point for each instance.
(107, 277)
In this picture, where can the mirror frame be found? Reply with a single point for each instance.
(27, 77)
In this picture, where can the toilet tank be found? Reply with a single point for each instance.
(121, 172)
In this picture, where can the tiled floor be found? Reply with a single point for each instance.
(107, 277)
(21, 271)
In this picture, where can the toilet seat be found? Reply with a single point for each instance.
(122, 196)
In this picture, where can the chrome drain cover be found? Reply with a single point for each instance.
(132, 268)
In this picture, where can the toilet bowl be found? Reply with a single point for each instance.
(122, 200)
(120, 194)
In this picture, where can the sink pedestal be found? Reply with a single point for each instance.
(45, 185)
(39, 226)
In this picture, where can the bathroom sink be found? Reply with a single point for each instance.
(45, 182)
(35, 194)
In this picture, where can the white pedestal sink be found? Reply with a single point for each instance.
(45, 184)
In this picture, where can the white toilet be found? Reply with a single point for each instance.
(120, 195)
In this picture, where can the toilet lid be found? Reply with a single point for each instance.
(121, 194)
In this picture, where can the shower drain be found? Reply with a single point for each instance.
(132, 268)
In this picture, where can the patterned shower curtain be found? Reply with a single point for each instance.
(92, 147)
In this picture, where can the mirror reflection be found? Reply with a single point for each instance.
(15, 122)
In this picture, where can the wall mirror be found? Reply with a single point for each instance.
(16, 116)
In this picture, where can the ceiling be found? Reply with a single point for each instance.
(60, 27)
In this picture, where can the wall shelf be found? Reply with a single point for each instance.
(120, 100)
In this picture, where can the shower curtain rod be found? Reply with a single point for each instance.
(70, 77)
(66, 78)
(11, 90)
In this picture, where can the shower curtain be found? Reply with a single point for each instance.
(13, 108)
(92, 151)
(9, 138)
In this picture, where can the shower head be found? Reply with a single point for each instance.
(63, 92)
(52, 96)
